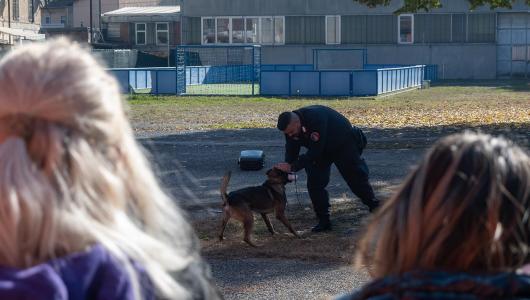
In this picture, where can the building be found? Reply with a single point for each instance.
(58, 19)
(71, 18)
(154, 29)
(19, 21)
(57, 14)
(479, 44)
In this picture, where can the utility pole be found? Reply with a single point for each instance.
(90, 24)
(99, 16)
(9, 18)
(168, 49)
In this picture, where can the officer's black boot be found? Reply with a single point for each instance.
(323, 224)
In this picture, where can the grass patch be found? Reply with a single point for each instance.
(464, 103)
(222, 89)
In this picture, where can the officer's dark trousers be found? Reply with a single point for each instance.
(353, 169)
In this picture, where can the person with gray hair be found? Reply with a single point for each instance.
(82, 215)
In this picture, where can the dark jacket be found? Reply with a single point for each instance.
(445, 286)
(324, 132)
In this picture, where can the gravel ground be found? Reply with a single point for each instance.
(191, 165)
(283, 279)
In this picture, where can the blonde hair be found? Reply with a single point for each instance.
(72, 174)
(466, 207)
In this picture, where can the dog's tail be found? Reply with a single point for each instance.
(224, 187)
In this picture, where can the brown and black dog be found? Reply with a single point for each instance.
(266, 198)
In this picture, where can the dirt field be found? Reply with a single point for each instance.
(191, 165)
(191, 162)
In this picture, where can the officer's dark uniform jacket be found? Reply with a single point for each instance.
(324, 132)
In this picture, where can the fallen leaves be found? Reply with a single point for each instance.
(438, 106)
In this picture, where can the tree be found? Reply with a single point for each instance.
(426, 5)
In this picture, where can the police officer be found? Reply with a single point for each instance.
(330, 139)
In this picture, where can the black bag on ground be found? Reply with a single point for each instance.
(251, 160)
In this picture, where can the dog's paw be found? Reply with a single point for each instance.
(298, 234)
(251, 244)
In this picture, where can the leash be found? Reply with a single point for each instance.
(296, 191)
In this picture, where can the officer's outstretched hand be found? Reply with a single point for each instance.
(283, 166)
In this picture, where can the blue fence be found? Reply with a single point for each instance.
(431, 71)
(340, 82)
(146, 80)
(395, 79)
(219, 74)
(234, 73)
(218, 70)
(282, 80)
(287, 67)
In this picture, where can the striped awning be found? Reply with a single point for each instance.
(144, 11)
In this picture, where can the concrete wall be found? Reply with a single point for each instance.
(460, 61)
(312, 7)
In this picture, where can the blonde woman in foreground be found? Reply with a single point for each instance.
(458, 228)
(81, 213)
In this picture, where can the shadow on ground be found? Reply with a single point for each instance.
(316, 266)
(516, 85)
(191, 164)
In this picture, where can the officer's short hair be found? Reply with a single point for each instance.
(283, 120)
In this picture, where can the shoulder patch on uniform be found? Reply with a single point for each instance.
(315, 136)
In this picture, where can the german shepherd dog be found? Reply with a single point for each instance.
(266, 198)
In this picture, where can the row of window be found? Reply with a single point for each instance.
(243, 30)
(161, 33)
(402, 29)
(271, 30)
(333, 29)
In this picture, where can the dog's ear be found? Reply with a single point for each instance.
(268, 172)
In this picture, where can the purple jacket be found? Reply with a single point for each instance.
(94, 274)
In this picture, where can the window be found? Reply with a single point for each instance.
(243, 30)
(223, 30)
(252, 30)
(47, 20)
(519, 52)
(31, 12)
(433, 28)
(238, 30)
(481, 28)
(266, 30)
(405, 29)
(208, 31)
(63, 19)
(16, 9)
(162, 33)
(140, 33)
(332, 29)
(279, 36)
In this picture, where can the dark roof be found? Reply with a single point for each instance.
(58, 3)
